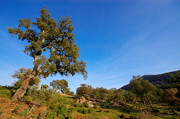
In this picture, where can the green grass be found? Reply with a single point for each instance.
(65, 107)
(5, 92)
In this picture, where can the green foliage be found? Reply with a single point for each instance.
(4, 92)
(42, 94)
(23, 73)
(62, 109)
(27, 98)
(129, 97)
(174, 80)
(60, 116)
(105, 94)
(85, 104)
(117, 95)
(90, 110)
(84, 90)
(59, 85)
(55, 103)
(68, 92)
(77, 105)
(51, 115)
(84, 111)
(144, 90)
(44, 86)
(54, 38)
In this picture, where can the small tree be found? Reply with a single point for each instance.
(174, 81)
(61, 85)
(44, 86)
(68, 92)
(51, 45)
(144, 89)
(102, 94)
(118, 95)
(171, 97)
(84, 90)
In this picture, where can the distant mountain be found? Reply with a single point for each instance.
(158, 80)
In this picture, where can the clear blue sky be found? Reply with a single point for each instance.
(117, 38)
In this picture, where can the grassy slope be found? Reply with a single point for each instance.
(24, 110)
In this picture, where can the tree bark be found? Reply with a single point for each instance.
(23, 88)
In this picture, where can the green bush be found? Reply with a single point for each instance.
(51, 115)
(85, 104)
(84, 111)
(5, 93)
(62, 109)
(60, 116)
(27, 98)
(90, 110)
(80, 110)
(77, 105)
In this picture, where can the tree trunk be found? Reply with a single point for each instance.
(150, 104)
(23, 88)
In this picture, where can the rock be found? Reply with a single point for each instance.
(83, 100)
(90, 104)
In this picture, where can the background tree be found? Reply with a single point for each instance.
(68, 92)
(60, 85)
(84, 90)
(129, 97)
(174, 82)
(21, 74)
(171, 97)
(56, 40)
(44, 86)
(118, 95)
(102, 93)
(144, 89)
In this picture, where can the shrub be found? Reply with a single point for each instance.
(77, 105)
(90, 110)
(51, 115)
(84, 111)
(80, 110)
(60, 116)
(62, 110)
(85, 104)
(5, 93)
(27, 98)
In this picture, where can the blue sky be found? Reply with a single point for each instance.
(117, 38)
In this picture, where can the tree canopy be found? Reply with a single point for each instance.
(61, 85)
(144, 89)
(54, 38)
(51, 44)
(84, 90)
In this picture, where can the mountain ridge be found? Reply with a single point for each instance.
(159, 80)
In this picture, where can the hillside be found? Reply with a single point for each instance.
(158, 80)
